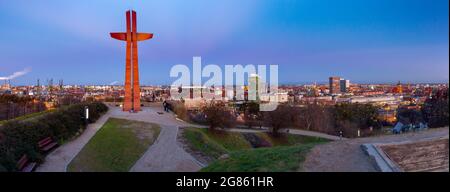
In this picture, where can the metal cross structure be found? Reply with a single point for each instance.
(132, 100)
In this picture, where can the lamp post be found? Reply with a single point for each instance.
(86, 114)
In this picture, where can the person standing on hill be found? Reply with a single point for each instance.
(166, 108)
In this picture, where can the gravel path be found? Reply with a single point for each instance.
(347, 155)
(166, 156)
(58, 159)
(163, 155)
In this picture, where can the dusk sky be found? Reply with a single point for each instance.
(366, 41)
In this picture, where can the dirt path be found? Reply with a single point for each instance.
(347, 155)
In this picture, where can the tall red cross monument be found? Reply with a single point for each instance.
(132, 100)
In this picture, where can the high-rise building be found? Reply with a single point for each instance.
(253, 90)
(335, 85)
(344, 85)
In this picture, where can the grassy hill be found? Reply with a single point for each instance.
(250, 151)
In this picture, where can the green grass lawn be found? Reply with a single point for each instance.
(115, 147)
(274, 159)
(287, 153)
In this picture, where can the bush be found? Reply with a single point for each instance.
(218, 115)
(21, 137)
(197, 117)
(181, 111)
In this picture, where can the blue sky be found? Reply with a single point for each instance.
(361, 40)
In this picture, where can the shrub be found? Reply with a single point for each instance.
(218, 115)
(21, 137)
(197, 117)
(181, 111)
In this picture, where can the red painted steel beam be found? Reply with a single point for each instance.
(119, 36)
(132, 87)
(136, 87)
(144, 36)
(127, 105)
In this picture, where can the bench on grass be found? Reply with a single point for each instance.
(47, 144)
(24, 164)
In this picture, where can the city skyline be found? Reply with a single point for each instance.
(366, 42)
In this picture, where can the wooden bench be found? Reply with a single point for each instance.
(24, 165)
(47, 144)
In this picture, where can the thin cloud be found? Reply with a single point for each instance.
(114, 83)
(17, 74)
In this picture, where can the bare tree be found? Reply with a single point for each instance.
(217, 115)
(279, 118)
(314, 117)
(305, 117)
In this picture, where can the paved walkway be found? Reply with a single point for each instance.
(58, 160)
(163, 155)
(166, 156)
(347, 155)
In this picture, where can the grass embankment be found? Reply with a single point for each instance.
(290, 139)
(250, 151)
(115, 147)
(214, 144)
(274, 159)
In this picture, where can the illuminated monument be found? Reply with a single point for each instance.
(132, 100)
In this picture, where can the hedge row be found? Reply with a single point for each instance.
(21, 137)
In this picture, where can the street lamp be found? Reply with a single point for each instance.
(86, 114)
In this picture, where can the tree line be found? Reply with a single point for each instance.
(346, 119)
(13, 106)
